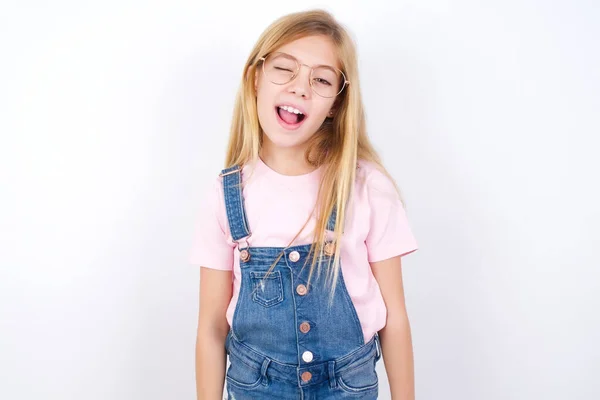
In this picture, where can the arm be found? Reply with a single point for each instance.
(395, 337)
(211, 358)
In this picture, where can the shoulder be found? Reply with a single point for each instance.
(371, 178)
(218, 180)
(212, 194)
(214, 188)
(246, 172)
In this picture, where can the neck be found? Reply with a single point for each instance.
(285, 160)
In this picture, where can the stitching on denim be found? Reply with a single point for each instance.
(241, 201)
(243, 361)
(259, 354)
(347, 388)
(339, 360)
(275, 275)
(234, 203)
(351, 367)
(228, 205)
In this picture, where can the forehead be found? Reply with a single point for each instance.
(313, 50)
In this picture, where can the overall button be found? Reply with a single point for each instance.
(301, 290)
(306, 376)
(304, 327)
(307, 356)
(244, 255)
(329, 249)
(294, 256)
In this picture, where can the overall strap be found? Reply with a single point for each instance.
(234, 203)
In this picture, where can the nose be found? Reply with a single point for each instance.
(300, 85)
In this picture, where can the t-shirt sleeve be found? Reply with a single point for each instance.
(212, 246)
(390, 233)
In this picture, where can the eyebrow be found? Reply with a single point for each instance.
(314, 66)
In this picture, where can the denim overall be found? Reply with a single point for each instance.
(285, 342)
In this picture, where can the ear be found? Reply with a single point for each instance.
(334, 108)
(256, 81)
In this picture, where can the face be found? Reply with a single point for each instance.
(284, 127)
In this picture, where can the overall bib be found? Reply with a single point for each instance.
(285, 341)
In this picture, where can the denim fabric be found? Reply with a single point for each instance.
(234, 203)
(266, 344)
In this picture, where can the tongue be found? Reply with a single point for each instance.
(288, 117)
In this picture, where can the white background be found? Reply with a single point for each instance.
(114, 117)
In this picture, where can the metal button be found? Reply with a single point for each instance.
(304, 327)
(244, 255)
(306, 376)
(301, 290)
(307, 356)
(329, 248)
(294, 256)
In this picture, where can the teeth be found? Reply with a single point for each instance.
(291, 109)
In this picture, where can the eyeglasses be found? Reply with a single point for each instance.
(281, 68)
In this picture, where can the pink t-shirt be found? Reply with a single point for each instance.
(277, 206)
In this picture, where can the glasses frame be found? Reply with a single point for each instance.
(298, 66)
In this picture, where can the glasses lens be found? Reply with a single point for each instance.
(326, 81)
(280, 68)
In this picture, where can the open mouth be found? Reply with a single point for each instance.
(290, 117)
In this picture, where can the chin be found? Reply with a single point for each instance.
(279, 140)
(285, 139)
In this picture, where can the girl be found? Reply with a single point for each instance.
(301, 238)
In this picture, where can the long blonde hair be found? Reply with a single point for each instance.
(337, 145)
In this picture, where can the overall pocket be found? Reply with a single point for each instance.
(360, 379)
(267, 290)
(242, 375)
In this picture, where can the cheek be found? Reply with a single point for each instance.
(264, 101)
(265, 88)
(321, 109)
